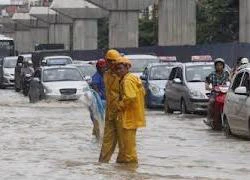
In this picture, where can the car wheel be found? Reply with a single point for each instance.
(226, 128)
(183, 107)
(2, 87)
(17, 89)
(167, 109)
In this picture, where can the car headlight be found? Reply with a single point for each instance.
(85, 88)
(7, 74)
(47, 90)
(155, 89)
(197, 94)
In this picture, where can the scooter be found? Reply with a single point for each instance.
(26, 84)
(215, 120)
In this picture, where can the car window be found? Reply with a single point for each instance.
(179, 73)
(138, 65)
(172, 74)
(159, 72)
(62, 74)
(246, 81)
(198, 73)
(237, 81)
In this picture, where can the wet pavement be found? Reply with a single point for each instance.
(52, 140)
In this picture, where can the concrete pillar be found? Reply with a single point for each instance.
(59, 34)
(39, 36)
(23, 41)
(123, 29)
(123, 20)
(85, 16)
(38, 29)
(85, 34)
(244, 34)
(177, 22)
(59, 25)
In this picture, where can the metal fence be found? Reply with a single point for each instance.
(228, 51)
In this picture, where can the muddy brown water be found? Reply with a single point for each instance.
(52, 140)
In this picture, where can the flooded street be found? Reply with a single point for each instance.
(52, 140)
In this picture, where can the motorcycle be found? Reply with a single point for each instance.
(215, 117)
(26, 84)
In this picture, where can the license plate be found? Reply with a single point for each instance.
(68, 97)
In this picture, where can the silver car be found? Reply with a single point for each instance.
(140, 62)
(185, 90)
(63, 83)
(7, 71)
(236, 119)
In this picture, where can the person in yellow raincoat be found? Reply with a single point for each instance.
(111, 130)
(131, 112)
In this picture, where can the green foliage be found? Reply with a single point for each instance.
(217, 21)
(103, 33)
(148, 32)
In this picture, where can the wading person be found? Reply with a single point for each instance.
(99, 100)
(111, 130)
(131, 115)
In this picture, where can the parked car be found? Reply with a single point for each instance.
(56, 60)
(7, 71)
(86, 69)
(185, 90)
(63, 82)
(236, 119)
(155, 77)
(140, 62)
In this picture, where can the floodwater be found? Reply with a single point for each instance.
(52, 140)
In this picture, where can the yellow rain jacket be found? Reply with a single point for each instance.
(131, 104)
(113, 127)
(111, 82)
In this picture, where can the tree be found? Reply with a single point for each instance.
(217, 21)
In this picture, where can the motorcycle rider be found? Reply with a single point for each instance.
(27, 69)
(36, 92)
(18, 78)
(216, 78)
(240, 61)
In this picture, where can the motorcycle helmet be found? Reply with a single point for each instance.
(244, 61)
(30, 62)
(219, 60)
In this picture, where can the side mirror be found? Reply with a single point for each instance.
(143, 77)
(241, 91)
(177, 81)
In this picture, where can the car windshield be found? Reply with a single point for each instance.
(198, 73)
(138, 65)
(160, 73)
(87, 70)
(58, 61)
(10, 63)
(62, 74)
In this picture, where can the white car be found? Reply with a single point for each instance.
(140, 62)
(236, 119)
(63, 83)
(57, 60)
